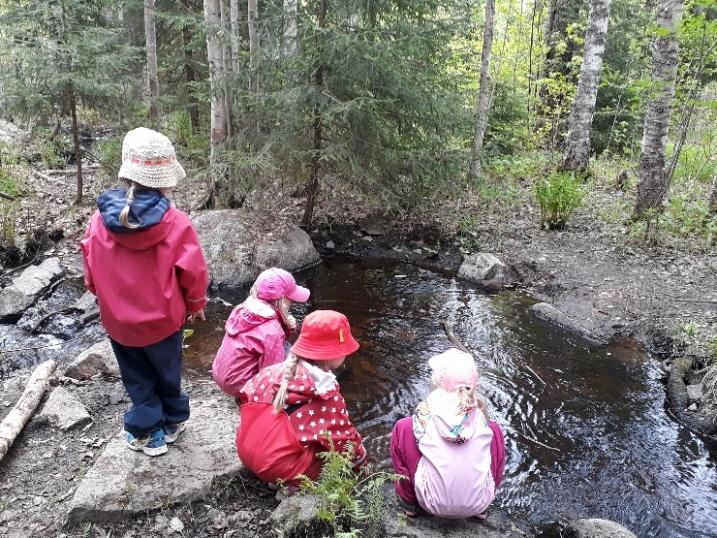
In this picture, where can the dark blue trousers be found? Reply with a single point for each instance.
(152, 377)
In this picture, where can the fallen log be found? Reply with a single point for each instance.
(19, 415)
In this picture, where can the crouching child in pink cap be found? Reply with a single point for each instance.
(453, 458)
(257, 329)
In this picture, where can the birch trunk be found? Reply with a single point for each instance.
(665, 51)
(19, 415)
(253, 20)
(313, 187)
(150, 39)
(290, 37)
(483, 103)
(235, 34)
(190, 75)
(577, 151)
(218, 116)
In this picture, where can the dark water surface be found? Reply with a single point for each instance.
(587, 431)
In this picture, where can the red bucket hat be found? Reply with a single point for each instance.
(325, 335)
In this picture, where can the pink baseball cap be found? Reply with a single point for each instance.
(276, 283)
(453, 369)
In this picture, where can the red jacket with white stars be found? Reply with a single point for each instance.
(321, 410)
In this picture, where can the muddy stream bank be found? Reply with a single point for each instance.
(587, 430)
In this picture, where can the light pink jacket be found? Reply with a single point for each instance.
(453, 478)
(254, 338)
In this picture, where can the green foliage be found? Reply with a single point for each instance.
(109, 152)
(8, 213)
(351, 504)
(9, 184)
(558, 196)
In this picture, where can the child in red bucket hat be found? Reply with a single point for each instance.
(293, 411)
(257, 329)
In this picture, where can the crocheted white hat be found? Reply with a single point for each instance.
(148, 158)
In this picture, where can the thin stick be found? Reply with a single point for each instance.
(7, 196)
(453, 338)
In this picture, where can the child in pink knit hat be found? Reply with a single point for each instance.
(257, 329)
(451, 456)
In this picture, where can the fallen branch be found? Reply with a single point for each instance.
(7, 196)
(47, 178)
(15, 421)
(453, 338)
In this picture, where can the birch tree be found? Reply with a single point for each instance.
(713, 197)
(665, 52)
(218, 114)
(577, 150)
(483, 103)
(290, 36)
(253, 20)
(150, 38)
(235, 21)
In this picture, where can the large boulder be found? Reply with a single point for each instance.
(11, 134)
(26, 288)
(484, 269)
(62, 410)
(599, 528)
(240, 244)
(98, 359)
(123, 483)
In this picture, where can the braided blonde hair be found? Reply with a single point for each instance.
(290, 363)
(124, 214)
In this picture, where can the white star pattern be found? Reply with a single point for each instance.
(341, 422)
(303, 438)
(333, 410)
(311, 412)
(336, 398)
(256, 398)
(316, 436)
(312, 424)
(333, 421)
(301, 427)
(321, 421)
(299, 414)
(262, 386)
(323, 409)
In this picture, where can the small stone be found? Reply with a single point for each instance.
(176, 524)
(695, 392)
(330, 245)
(692, 407)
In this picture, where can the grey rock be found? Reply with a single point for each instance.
(27, 287)
(599, 528)
(62, 410)
(330, 245)
(239, 245)
(98, 359)
(123, 483)
(485, 270)
(85, 303)
(694, 392)
(298, 516)
(12, 134)
(549, 313)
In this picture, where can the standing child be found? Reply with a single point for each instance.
(256, 330)
(143, 261)
(453, 458)
(293, 411)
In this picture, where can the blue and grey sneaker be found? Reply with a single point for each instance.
(152, 445)
(173, 431)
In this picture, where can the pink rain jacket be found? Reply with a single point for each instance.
(254, 338)
(146, 280)
(453, 478)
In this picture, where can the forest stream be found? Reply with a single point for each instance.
(587, 431)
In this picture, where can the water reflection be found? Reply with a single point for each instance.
(587, 432)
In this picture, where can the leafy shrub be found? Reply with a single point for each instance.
(9, 184)
(348, 500)
(558, 196)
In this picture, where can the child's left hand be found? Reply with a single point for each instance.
(291, 322)
(197, 315)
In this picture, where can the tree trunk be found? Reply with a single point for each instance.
(253, 19)
(150, 38)
(218, 120)
(313, 187)
(665, 51)
(289, 41)
(227, 67)
(235, 34)
(19, 415)
(76, 142)
(713, 198)
(483, 103)
(577, 151)
(191, 77)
